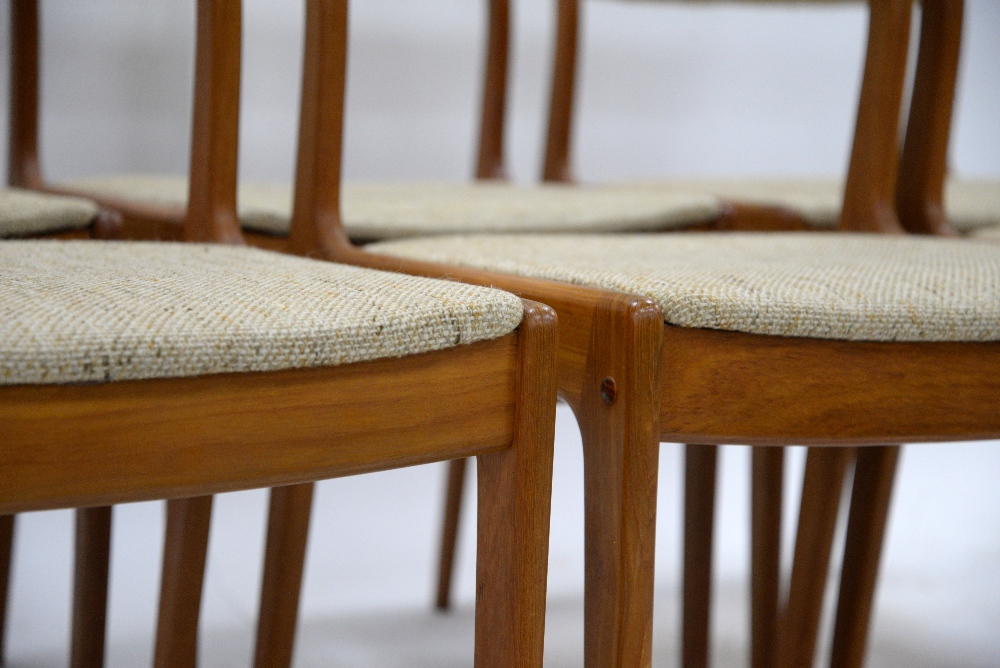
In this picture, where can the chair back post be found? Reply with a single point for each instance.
(490, 161)
(23, 168)
(923, 168)
(316, 228)
(211, 213)
(557, 166)
(871, 178)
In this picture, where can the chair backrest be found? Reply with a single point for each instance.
(868, 200)
(924, 165)
(211, 213)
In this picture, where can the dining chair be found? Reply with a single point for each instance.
(749, 339)
(506, 372)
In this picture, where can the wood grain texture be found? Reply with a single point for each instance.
(924, 164)
(767, 472)
(515, 487)
(82, 445)
(185, 548)
(449, 531)
(874, 474)
(284, 560)
(700, 463)
(871, 177)
(7, 523)
(90, 587)
(730, 387)
(621, 457)
(821, 491)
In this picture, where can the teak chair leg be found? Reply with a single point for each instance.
(874, 474)
(6, 554)
(284, 561)
(515, 488)
(185, 550)
(618, 414)
(449, 531)
(699, 514)
(821, 491)
(765, 552)
(90, 586)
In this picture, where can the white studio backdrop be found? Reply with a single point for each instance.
(666, 89)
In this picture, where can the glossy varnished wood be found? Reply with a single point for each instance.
(90, 586)
(923, 168)
(871, 177)
(490, 160)
(556, 166)
(148, 439)
(515, 487)
(730, 387)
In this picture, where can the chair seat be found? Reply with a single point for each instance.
(971, 204)
(829, 286)
(374, 211)
(86, 311)
(24, 213)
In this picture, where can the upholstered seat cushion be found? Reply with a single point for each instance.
(970, 203)
(24, 213)
(86, 311)
(375, 211)
(830, 286)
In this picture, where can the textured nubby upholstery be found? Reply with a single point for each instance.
(24, 213)
(830, 286)
(394, 210)
(970, 204)
(85, 311)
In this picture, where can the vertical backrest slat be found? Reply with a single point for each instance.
(924, 165)
(22, 158)
(490, 162)
(211, 213)
(316, 228)
(560, 128)
(869, 196)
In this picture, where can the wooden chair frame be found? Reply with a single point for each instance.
(179, 438)
(633, 381)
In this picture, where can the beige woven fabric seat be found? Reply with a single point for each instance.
(971, 204)
(836, 286)
(374, 211)
(85, 311)
(24, 213)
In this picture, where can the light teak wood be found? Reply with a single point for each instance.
(923, 168)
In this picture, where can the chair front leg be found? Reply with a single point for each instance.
(515, 489)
